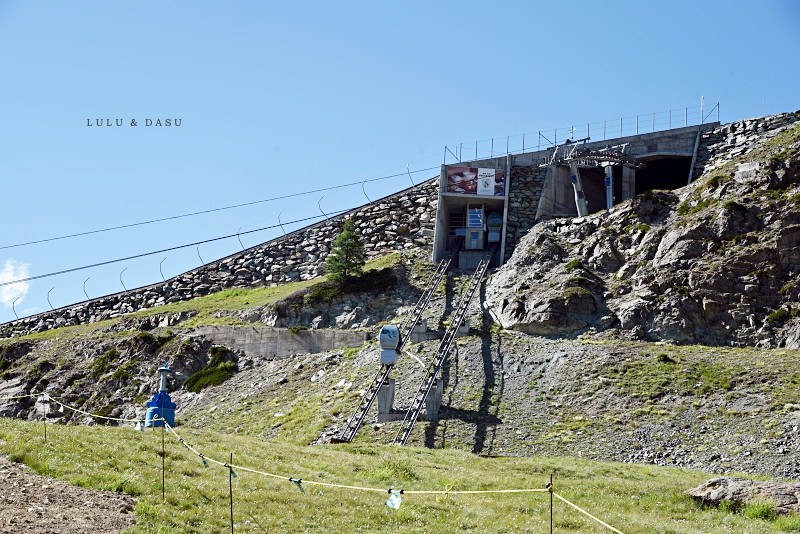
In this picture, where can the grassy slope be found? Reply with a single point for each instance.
(633, 498)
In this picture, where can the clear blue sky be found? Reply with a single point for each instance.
(281, 98)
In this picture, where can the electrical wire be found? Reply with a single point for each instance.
(142, 255)
(212, 210)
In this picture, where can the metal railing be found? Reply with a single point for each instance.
(596, 131)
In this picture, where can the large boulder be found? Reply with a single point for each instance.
(785, 496)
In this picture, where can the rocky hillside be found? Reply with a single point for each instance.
(716, 262)
(590, 354)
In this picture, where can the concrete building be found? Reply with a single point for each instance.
(495, 201)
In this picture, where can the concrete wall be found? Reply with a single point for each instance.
(274, 343)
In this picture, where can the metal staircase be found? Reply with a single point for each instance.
(444, 349)
(354, 421)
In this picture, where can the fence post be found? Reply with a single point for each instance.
(163, 456)
(551, 503)
(230, 488)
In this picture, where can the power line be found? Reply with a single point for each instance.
(212, 210)
(178, 247)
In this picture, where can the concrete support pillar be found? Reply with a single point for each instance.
(609, 180)
(628, 183)
(434, 400)
(386, 397)
(463, 328)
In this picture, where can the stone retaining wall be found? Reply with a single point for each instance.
(400, 221)
(275, 343)
(524, 192)
(725, 142)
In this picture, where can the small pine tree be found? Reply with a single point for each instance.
(346, 259)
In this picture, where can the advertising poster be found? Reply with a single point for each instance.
(476, 181)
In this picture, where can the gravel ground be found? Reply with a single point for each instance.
(31, 503)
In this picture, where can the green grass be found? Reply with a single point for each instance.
(632, 498)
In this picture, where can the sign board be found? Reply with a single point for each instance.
(476, 181)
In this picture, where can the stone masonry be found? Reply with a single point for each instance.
(401, 221)
(523, 200)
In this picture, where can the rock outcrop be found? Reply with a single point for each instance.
(716, 262)
(785, 496)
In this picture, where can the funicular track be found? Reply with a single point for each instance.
(444, 349)
(354, 421)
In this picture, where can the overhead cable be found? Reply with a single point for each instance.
(178, 247)
(212, 210)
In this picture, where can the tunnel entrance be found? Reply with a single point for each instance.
(663, 173)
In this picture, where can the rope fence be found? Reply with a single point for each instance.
(395, 495)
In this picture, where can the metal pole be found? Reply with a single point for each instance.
(14, 308)
(551, 503)
(460, 151)
(555, 136)
(48, 297)
(539, 142)
(702, 99)
(508, 137)
(230, 488)
(163, 469)
(444, 159)
(717, 111)
(491, 153)
(686, 116)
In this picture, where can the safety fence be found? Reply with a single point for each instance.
(395, 495)
(594, 131)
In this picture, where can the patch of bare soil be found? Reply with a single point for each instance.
(32, 503)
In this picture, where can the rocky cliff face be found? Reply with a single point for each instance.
(716, 262)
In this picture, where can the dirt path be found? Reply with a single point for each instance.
(32, 503)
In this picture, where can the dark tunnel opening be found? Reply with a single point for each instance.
(663, 173)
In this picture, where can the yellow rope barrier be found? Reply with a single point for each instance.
(581, 510)
(445, 492)
(21, 396)
(77, 410)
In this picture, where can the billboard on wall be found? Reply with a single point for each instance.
(476, 181)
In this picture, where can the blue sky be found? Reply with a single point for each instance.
(281, 98)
